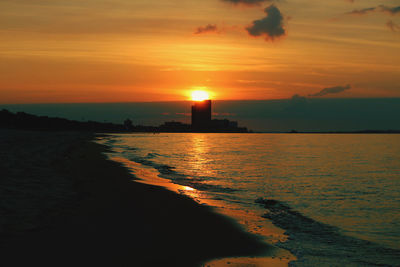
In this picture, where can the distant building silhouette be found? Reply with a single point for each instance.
(201, 115)
(203, 122)
(175, 126)
(128, 124)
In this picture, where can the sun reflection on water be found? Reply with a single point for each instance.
(187, 188)
(198, 150)
(151, 177)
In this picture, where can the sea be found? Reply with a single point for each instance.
(327, 199)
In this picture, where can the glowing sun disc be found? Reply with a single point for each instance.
(200, 95)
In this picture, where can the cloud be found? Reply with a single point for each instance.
(381, 8)
(390, 10)
(224, 114)
(184, 114)
(392, 26)
(332, 90)
(361, 11)
(271, 26)
(247, 2)
(298, 99)
(206, 29)
(297, 103)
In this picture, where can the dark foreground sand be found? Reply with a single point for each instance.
(63, 203)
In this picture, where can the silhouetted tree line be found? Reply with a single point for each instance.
(25, 121)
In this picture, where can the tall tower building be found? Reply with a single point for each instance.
(201, 115)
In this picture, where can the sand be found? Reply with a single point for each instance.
(63, 203)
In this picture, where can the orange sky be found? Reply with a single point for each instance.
(148, 50)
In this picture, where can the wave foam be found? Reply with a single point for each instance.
(169, 172)
(318, 244)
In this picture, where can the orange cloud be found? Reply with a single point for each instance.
(209, 28)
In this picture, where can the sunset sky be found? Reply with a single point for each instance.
(54, 51)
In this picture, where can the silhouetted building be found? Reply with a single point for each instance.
(201, 115)
(128, 125)
(175, 126)
(226, 126)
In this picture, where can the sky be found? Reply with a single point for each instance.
(93, 51)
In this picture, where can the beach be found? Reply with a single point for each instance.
(62, 203)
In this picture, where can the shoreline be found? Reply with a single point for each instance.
(270, 233)
(112, 220)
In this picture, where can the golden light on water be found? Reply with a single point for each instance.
(199, 95)
(187, 188)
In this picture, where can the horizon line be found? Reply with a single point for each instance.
(217, 100)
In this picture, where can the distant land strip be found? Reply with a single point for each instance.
(26, 121)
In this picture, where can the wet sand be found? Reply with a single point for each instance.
(64, 203)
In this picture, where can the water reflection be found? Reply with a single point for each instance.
(198, 149)
(151, 176)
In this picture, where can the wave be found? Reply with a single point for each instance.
(152, 155)
(166, 171)
(317, 244)
(169, 172)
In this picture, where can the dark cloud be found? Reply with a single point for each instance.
(224, 114)
(332, 90)
(247, 2)
(298, 100)
(206, 29)
(381, 8)
(392, 26)
(390, 10)
(296, 103)
(270, 27)
(362, 11)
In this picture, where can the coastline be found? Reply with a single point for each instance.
(110, 220)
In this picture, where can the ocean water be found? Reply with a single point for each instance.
(329, 199)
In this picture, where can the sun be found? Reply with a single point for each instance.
(199, 95)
